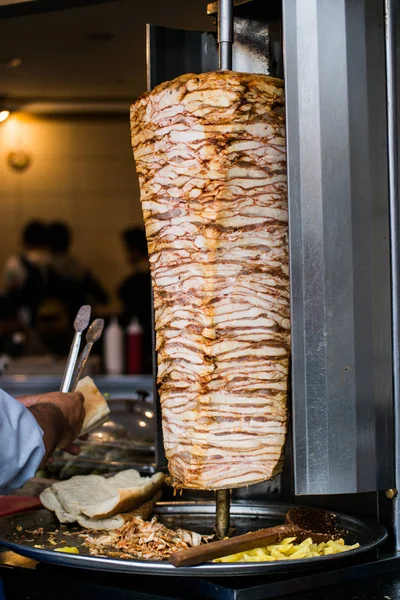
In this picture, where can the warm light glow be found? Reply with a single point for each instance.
(13, 63)
(20, 131)
(142, 424)
(4, 114)
(149, 414)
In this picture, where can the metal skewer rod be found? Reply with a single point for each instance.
(225, 33)
(225, 41)
(222, 515)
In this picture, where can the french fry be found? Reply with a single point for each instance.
(289, 550)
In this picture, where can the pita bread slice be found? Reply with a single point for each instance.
(126, 479)
(98, 498)
(95, 405)
(122, 499)
(73, 492)
(143, 511)
(50, 501)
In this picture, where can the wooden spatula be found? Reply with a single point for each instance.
(301, 523)
(240, 543)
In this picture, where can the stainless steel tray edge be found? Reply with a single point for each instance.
(371, 536)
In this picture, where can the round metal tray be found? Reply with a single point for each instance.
(195, 517)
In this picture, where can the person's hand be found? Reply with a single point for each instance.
(69, 407)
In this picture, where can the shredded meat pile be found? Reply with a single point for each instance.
(147, 540)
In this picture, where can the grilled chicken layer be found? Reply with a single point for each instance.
(210, 155)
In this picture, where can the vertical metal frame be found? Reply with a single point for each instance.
(391, 24)
(339, 246)
(339, 230)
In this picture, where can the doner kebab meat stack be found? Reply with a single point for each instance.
(210, 156)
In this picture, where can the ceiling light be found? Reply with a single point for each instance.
(4, 114)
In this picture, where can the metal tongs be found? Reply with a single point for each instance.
(81, 322)
(93, 334)
(74, 367)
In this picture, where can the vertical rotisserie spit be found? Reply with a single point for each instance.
(210, 155)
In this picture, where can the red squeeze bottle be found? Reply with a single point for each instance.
(134, 344)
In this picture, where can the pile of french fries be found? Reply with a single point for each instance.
(289, 550)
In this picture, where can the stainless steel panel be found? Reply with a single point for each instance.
(257, 44)
(174, 52)
(257, 36)
(339, 247)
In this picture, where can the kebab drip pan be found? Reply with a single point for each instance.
(15, 534)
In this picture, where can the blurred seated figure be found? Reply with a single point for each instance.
(26, 275)
(135, 290)
(72, 284)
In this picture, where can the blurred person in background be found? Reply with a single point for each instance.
(26, 275)
(135, 291)
(73, 284)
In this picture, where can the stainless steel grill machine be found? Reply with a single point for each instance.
(338, 60)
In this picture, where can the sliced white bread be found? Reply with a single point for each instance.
(144, 511)
(122, 496)
(51, 502)
(96, 407)
(96, 497)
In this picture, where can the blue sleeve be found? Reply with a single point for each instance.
(21, 444)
